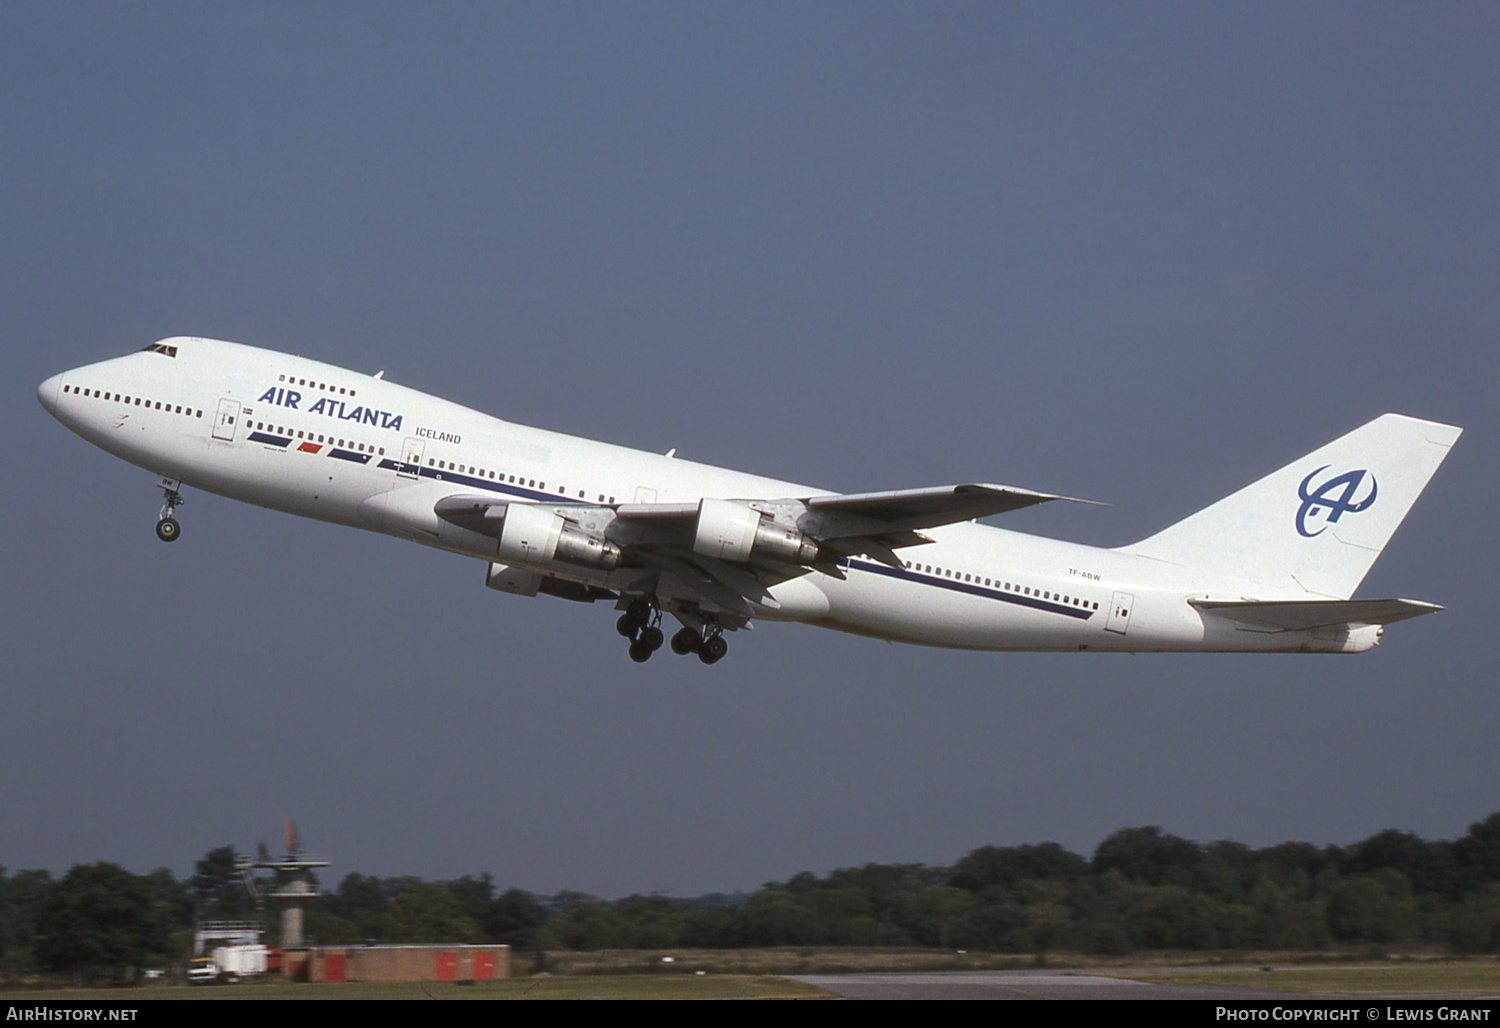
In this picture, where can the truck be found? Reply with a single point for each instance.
(227, 951)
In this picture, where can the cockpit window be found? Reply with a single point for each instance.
(170, 351)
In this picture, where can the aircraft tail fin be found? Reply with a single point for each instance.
(1318, 524)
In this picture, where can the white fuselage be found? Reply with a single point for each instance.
(307, 438)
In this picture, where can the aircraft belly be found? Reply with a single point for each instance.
(132, 436)
(798, 599)
(406, 509)
(927, 615)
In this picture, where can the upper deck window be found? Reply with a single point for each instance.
(170, 351)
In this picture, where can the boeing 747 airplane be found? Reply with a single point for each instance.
(1269, 569)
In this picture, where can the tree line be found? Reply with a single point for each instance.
(1141, 889)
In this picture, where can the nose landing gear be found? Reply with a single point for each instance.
(167, 528)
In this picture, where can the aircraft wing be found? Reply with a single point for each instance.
(874, 524)
(1298, 615)
(895, 509)
(730, 551)
(933, 506)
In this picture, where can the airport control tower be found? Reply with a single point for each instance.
(292, 885)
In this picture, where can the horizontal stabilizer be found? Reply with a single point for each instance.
(1300, 615)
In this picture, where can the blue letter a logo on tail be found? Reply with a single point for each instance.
(1322, 499)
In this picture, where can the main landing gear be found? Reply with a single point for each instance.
(641, 624)
(167, 528)
(708, 644)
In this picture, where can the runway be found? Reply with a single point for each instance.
(1022, 985)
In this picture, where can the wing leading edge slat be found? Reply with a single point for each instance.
(910, 509)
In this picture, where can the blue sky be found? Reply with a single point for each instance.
(1140, 253)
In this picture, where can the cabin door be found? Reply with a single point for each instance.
(228, 414)
(1119, 613)
(411, 458)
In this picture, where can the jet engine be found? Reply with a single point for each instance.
(735, 532)
(533, 536)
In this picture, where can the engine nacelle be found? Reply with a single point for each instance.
(532, 536)
(734, 532)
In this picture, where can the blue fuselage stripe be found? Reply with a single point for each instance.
(272, 440)
(506, 488)
(971, 588)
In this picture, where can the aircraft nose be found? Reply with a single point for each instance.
(47, 393)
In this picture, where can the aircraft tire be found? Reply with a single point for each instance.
(713, 650)
(627, 626)
(685, 642)
(652, 638)
(168, 530)
(639, 652)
